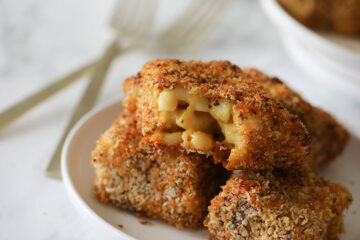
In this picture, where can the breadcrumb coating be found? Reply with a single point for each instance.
(342, 16)
(171, 186)
(142, 166)
(268, 135)
(295, 205)
(328, 137)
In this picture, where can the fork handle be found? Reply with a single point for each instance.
(28, 103)
(87, 101)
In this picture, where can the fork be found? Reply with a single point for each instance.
(187, 32)
(10, 114)
(131, 22)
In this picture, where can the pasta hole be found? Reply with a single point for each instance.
(173, 129)
(218, 136)
(182, 105)
(231, 120)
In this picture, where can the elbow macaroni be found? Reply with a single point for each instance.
(194, 125)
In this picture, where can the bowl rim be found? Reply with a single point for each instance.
(351, 87)
(80, 205)
(282, 18)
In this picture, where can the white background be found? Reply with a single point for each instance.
(42, 40)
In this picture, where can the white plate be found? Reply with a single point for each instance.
(330, 58)
(78, 175)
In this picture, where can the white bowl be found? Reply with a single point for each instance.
(330, 58)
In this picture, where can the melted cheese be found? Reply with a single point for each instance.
(197, 119)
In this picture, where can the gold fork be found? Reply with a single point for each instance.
(171, 38)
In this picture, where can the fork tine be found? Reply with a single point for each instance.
(183, 21)
(174, 34)
(199, 18)
(197, 30)
(188, 13)
(124, 13)
(136, 16)
(120, 13)
(201, 28)
(133, 17)
(147, 18)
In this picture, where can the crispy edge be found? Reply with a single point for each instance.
(273, 137)
(329, 138)
(293, 204)
(121, 153)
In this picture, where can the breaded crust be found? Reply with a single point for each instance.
(270, 136)
(329, 138)
(341, 16)
(166, 185)
(278, 205)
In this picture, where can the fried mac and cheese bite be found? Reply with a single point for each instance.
(342, 16)
(328, 137)
(171, 186)
(295, 205)
(216, 109)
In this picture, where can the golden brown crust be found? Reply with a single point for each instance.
(130, 91)
(278, 205)
(271, 136)
(167, 185)
(329, 138)
(341, 16)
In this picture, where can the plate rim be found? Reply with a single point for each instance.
(350, 86)
(80, 205)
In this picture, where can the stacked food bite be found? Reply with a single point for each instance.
(187, 125)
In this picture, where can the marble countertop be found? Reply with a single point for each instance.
(43, 40)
